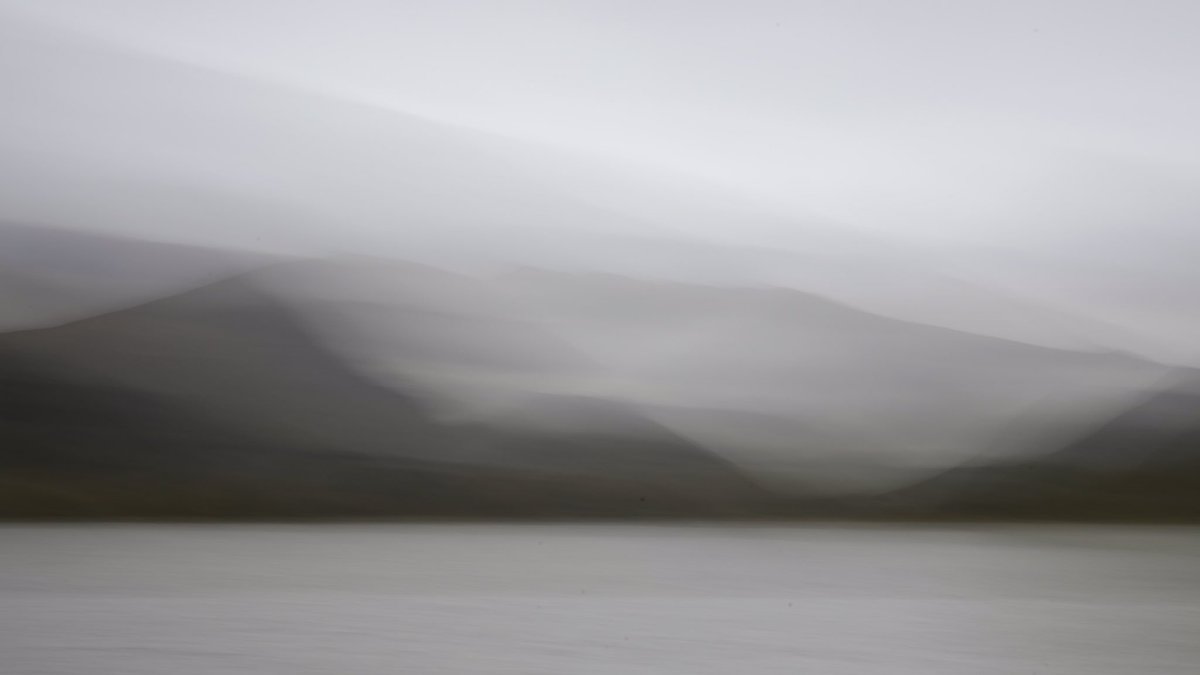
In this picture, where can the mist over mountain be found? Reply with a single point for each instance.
(880, 388)
(218, 402)
(358, 386)
(53, 275)
(1142, 464)
(284, 282)
(160, 147)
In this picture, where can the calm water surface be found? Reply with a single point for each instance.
(559, 599)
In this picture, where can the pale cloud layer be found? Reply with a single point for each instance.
(928, 118)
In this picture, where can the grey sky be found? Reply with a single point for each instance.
(918, 116)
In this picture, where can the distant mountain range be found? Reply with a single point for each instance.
(613, 340)
(778, 369)
(378, 388)
(218, 402)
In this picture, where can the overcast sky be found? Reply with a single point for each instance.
(909, 152)
(923, 117)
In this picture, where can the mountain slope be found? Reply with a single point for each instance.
(219, 401)
(877, 387)
(232, 350)
(1143, 463)
(53, 275)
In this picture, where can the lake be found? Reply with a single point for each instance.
(683, 599)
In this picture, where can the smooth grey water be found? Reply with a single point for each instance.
(554, 599)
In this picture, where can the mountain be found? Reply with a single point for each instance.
(465, 343)
(806, 392)
(231, 349)
(250, 396)
(73, 445)
(54, 275)
(1143, 463)
(805, 376)
(220, 401)
(1161, 432)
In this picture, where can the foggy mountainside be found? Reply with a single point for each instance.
(1142, 464)
(606, 337)
(231, 291)
(216, 402)
(607, 397)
